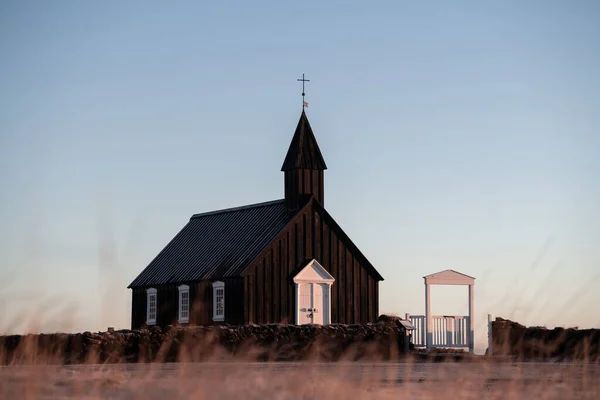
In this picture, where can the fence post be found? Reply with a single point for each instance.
(490, 341)
(406, 335)
(471, 328)
(428, 320)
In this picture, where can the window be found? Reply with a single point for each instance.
(151, 306)
(184, 304)
(218, 301)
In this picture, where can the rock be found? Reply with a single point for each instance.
(382, 340)
(539, 343)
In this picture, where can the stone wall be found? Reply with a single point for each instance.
(383, 340)
(538, 343)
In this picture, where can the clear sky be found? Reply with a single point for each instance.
(458, 135)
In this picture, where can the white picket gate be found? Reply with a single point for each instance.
(447, 331)
(441, 330)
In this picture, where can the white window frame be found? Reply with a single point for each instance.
(151, 292)
(184, 289)
(218, 286)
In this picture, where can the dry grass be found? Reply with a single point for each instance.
(37, 373)
(231, 380)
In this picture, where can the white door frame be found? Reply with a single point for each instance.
(449, 277)
(314, 273)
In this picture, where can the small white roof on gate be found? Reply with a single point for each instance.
(314, 272)
(449, 277)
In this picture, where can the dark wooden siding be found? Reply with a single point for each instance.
(234, 301)
(301, 182)
(201, 309)
(138, 307)
(268, 283)
(167, 304)
(201, 300)
(266, 293)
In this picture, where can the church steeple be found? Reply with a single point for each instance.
(303, 166)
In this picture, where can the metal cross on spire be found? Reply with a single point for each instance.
(304, 104)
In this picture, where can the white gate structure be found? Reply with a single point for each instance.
(443, 330)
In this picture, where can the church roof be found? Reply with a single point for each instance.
(304, 152)
(217, 244)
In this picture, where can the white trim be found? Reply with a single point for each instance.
(449, 277)
(183, 289)
(297, 296)
(471, 328)
(329, 305)
(218, 287)
(151, 292)
(314, 272)
(428, 326)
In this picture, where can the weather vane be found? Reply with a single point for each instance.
(304, 104)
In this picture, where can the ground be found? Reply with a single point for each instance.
(490, 380)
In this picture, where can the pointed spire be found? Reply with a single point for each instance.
(304, 152)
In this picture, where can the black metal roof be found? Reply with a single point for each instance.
(304, 152)
(217, 244)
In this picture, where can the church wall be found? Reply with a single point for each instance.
(352, 301)
(268, 283)
(266, 293)
(234, 301)
(201, 301)
(138, 307)
(201, 308)
(168, 298)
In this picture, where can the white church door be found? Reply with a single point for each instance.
(314, 303)
(305, 304)
(313, 299)
(321, 303)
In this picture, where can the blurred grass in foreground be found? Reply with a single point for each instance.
(490, 380)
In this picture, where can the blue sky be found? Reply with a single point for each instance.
(458, 135)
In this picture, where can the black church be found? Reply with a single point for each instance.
(281, 261)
